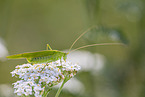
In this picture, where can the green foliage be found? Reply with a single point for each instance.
(102, 33)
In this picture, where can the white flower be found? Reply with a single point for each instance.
(23, 87)
(35, 77)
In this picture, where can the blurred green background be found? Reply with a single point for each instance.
(28, 25)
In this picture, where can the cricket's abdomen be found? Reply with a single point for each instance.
(45, 59)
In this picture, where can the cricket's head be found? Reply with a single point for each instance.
(65, 56)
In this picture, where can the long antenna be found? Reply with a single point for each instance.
(98, 44)
(80, 37)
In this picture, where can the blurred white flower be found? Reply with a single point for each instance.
(6, 90)
(88, 61)
(3, 50)
(73, 86)
(99, 62)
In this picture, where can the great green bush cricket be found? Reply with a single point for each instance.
(46, 56)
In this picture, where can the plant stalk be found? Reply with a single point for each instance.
(59, 90)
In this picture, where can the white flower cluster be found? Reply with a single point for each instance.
(34, 78)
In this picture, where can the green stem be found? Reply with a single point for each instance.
(59, 90)
(45, 95)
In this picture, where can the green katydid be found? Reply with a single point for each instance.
(46, 56)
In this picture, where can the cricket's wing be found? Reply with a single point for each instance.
(33, 54)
